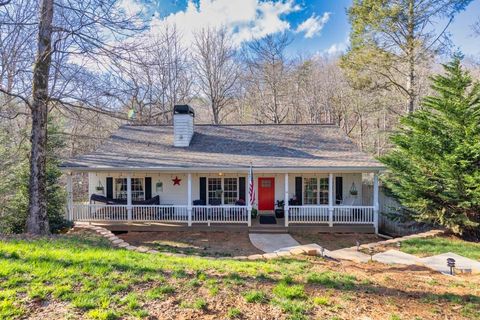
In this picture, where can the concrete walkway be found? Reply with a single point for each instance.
(462, 264)
(271, 242)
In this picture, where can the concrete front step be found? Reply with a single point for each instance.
(268, 230)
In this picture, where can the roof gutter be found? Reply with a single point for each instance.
(332, 169)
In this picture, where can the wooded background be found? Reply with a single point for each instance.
(101, 70)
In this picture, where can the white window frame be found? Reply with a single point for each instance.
(136, 195)
(318, 177)
(222, 183)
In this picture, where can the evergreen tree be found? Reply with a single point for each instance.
(435, 164)
(16, 209)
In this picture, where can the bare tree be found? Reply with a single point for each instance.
(66, 30)
(267, 71)
(216, 69)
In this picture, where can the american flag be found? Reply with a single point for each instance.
(251, 188)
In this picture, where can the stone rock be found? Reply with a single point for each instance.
(240, 257)
(142, 249)
(131, 248)
(153, 251)
(255, 257)
(284, 254)
(270, 256)
(297, 251)
(118, 241)
(122, 245)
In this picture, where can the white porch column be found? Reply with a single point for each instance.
(330, 199)
(189, 199)
(129, 198)
(69, 197)
(249, 206)
(286, 200)
(375, 202)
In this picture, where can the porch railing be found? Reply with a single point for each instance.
(219, 214)
(308, 214)
(340, 214)
(159, 213)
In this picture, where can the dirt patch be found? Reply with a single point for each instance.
(334, 241)
(219, 244)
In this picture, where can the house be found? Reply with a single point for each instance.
(193, 174)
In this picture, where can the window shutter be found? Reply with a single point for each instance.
(298, 189)
(241, 188)
(203, 189)
(109, 188)
(148, 188)
(338, 190)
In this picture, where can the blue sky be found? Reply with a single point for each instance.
(316, 26)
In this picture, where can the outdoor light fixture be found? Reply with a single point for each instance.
(220, 174)
(371, 252)
(358, 245)
(451, 265)
(322, 251)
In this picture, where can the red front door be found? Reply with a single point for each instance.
(266, 193)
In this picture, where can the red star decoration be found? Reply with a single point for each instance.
(176, 181)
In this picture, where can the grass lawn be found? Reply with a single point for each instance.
(438, 245)
(82, 277)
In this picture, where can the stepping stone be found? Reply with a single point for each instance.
(397, 257)
(439, 263)
(297, 251)
(255, 257)
(349, 254)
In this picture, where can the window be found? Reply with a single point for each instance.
(230, 194)
(214, 190)
(137, 189)
(310, 194)
(315, 191)
(323, 191)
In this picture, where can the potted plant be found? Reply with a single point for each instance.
(280, 211)
(254, 213)
(353, 190)
(99, 188)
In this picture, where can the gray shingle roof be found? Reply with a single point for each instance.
(228, 146)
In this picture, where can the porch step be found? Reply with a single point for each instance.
(268, 230)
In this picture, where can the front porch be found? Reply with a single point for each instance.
(328, 202)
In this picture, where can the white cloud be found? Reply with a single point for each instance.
(131, 7)
(313, 25)
(336, 49)
(245, 19)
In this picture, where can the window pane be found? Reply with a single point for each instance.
(230, 193)
(214, 190)
(137, 189)
(310, 194)
(323, 190)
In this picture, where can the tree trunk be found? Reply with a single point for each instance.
(411, 57)
(37, 221)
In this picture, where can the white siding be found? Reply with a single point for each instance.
(177, 195)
